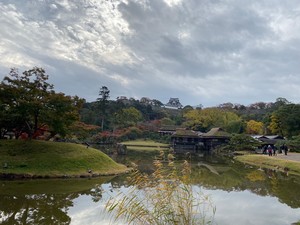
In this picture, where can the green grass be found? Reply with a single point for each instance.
(53, 159)
(264, 161)
(144, 142)
(145, 145)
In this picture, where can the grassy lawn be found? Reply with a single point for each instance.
(145, 145)
(53, 159)
(265, 161)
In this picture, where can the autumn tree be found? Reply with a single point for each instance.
(28, 102)
(205, 119)
(254, 127)
(24, 97)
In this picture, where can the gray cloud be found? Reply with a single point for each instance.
(207, 52)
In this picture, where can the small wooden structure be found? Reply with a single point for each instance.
(184, 141)
(266, 140)
(215, 137)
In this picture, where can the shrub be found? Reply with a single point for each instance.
(240, 142)
(294, 143)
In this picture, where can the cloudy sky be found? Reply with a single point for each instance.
(201, 51)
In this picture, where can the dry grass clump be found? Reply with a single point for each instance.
(164, 197)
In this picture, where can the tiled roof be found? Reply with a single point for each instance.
(274, 137)
(185, 133)
(267, 136)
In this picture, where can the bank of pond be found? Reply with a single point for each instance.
(45, 159)
(240, 192)
(239, 189)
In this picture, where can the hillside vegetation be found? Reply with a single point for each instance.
(52, 159)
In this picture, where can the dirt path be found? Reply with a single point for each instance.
(290, 156)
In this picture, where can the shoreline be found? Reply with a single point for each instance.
(24, 176)
(282, 163)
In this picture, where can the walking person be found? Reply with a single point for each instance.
(264, 150)
(270, 150)
(274, 151)
(285, 148)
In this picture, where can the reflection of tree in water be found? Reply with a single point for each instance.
(41, 208)
(237, 177)
(286, 188)
(36, 209)
(96, 193)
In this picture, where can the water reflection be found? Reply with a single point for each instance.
(36, 209)
(244, 207)
(44, 201)
(263, 182)
(245, 194)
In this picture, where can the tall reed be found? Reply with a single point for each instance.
(165, 197)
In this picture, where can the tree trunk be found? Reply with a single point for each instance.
(102, 124)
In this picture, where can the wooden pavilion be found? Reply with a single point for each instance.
(184, 140)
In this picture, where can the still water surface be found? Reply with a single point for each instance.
(242, 195)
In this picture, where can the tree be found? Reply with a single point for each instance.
(24, 97)
(227, 105)
(167, 122)
(275, 125)
(29, 103)
(286, 121)
(205, 119)
(294, 143)
(157, 103)
(240, 142)
(187, 108)
(254, 127)
(128, 117)
(62, 113)
(281, 101)
(103, 101)
(235, 126)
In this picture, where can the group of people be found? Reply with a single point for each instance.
(272, 150)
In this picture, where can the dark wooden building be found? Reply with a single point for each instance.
(267, 140)
(215, 137)
(184, 141)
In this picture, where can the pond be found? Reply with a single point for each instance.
(241, 195)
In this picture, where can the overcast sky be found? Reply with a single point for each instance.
(201, 51)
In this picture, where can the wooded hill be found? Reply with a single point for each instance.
(29, 105)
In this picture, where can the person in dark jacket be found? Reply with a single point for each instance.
(285, 149)
(270, 150)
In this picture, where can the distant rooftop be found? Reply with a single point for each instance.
(174, 103)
